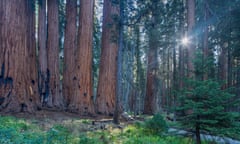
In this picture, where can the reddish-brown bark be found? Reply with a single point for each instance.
(43, 82)
(82, 100)
(152, 75)
(18, 88)
(70, 45)
(55, 98)
(106, 91)
(31, 47)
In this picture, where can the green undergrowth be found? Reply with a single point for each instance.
(20, 131)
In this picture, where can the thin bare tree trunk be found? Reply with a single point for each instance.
(106, 92)
(198, 134)
(229, 68)
(238, 82)
(2, 47)
(191, 47)
(205, 40)
(138, 100)
(223, 61)
(181, 67)
(181, 58)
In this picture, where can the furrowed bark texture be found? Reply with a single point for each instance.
(18, 87)
(55, 98)
(43, 77)
(106, 91)
(82, 101)
(70, 45)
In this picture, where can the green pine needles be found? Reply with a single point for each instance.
(205, 104)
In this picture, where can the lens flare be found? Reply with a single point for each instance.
(185, 41)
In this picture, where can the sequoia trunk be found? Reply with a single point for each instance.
(31, 47)
(106, 91)
(43, 80)
(18, 89)
(82, 100)
(70, 44)
(55, 98)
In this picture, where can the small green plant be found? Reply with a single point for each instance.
(86, 121)
(14, 131)
(20, 131)
(84, 139)
(58, 134)
(156, 125)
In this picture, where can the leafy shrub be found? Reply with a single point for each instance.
(15, 131)
(151, 139)
(58, 134)
(19, 131)
(84, 139)
(156, 125)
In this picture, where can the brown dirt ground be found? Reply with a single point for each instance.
(48, 118)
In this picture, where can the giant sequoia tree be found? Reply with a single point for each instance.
(18, 91)
(106, 91)
(70, 43)
(152, 60)
(55, 98)
(82, 99)
(43, 80)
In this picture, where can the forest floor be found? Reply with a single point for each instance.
(53, 127)
(62, 127)
(47, 118)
